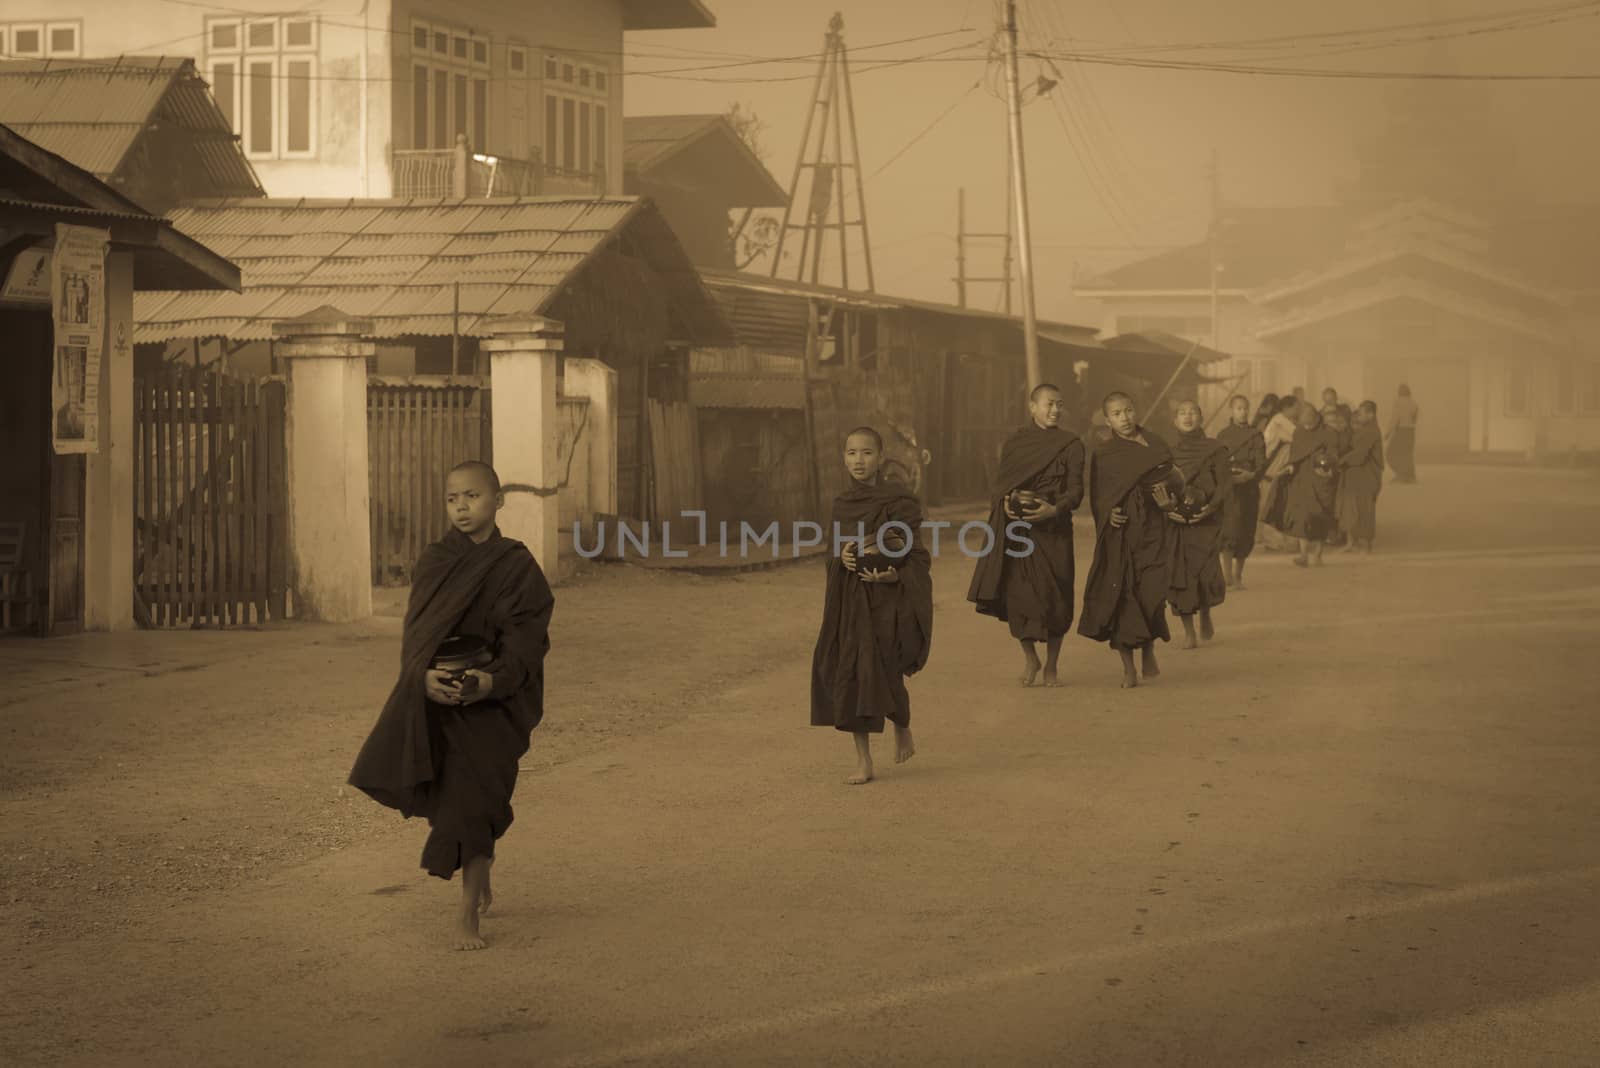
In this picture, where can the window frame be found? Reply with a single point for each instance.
(285, 83)
(1517, 373)
(23, 27)
(76, 51)
(233, 115)
(589, 107)
(247, 101)
(458, 116)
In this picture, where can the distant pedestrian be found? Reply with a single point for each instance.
(450, 737)
(1330, 398)
(1363, 479)
(1039, 484)
(1247, 459)
(1197, 584)
(1124, 600)
(1308, 499)
(1400, 442)
(877, 614)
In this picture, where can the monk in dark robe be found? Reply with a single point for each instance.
(877, 616)
(1124, 601)
(1197, 584)
(1241, 507)
(1362, 464)
(447, 745)
(1309, 497)
(1040, 483)
(1338, 418)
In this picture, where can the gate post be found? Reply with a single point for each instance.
(330, 539)
(523, 354)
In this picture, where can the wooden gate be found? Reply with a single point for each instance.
(416, 432)
(210, 500)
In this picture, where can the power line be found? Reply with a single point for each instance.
(926, 130)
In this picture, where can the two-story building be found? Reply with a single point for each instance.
(351, 98)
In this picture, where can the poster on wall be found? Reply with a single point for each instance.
(78, 308)
(28, 281)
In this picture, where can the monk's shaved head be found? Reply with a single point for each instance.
(1105, 405)
(1041, 389)
(480, 468)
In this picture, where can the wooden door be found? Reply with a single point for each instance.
(65, 501)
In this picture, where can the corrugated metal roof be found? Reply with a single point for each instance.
(91, 112)
(398, 262)
(746, 391)
(645, 137)
(719, 158)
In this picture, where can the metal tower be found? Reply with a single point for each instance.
(823, 209)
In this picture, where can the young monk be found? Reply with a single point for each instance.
(1124, 601)
(1276, 437)
(1309, 497)
(1040, 483)
(1338, 419)
(1363, 479)
(1197, 584)
(877, 617)
(1247, 459)
(446, 747)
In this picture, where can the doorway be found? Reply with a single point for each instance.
(39, 491)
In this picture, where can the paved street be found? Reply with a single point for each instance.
(1358, 829)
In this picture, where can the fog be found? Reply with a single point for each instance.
(1118, 163)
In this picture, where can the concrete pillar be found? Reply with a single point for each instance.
(108, 486)
(523, 353)
(330, 541)
(598, 382)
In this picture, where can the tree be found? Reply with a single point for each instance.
(754, 234)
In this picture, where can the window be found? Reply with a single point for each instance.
(1517, 392)
(1589, 390)
(41, 40)
(1566, 387)
(450, 87)
(263, 75)
(575, 117)
(517, 60)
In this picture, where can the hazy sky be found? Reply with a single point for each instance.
(1121, 160)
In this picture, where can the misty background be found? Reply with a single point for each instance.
(1119, 156)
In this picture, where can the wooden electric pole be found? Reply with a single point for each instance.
(964, 280)
(1019, 183)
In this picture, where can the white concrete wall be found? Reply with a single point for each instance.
(597, 383)
(329, 521)
(108, 491)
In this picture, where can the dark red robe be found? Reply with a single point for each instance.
(1197, 581)
(457, 765)
(1124, 601)
(873, 634)
(1309, 497)
(1247, 451)
(1362, 482)
(1033, 593)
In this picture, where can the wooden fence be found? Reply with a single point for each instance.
(210, 500)
(675, 459)
(416, 432)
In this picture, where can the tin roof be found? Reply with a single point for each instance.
(93, 112)
(405, 264)
(698, 151)
(666, 15)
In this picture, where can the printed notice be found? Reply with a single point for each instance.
(78, 306)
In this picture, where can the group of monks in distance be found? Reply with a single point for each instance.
(1174, 525)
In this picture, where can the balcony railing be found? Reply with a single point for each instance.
(457, 173)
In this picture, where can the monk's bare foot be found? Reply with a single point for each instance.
(1152, 670)
(904, 749)
(1129, 680)
(1238, 584)
(467, 936)
(1030, 668)
(861, 777)
(1051, 678)
(1207, 631)
(1301, 561)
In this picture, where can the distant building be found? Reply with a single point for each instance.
(703, 176)
(372, 100)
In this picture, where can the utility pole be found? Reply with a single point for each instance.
(1019, 182)
(964, 280)
(961, 247)
(1216, 267)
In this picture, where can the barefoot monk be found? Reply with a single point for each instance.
(1040, 483)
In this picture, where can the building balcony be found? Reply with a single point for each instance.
(457, 173)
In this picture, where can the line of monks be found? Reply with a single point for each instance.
(1174, 524)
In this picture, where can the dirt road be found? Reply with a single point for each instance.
(1358, 829)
